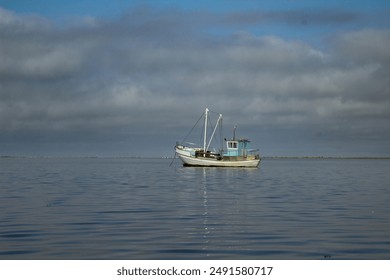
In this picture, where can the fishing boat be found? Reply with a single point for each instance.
(235, 152)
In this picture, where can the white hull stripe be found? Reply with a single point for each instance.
(189, 160)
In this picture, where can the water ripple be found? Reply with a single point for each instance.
(142, 209)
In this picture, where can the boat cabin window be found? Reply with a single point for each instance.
(232, 144)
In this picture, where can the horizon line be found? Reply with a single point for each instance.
(170, 157)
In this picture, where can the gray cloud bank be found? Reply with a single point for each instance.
(135, 85)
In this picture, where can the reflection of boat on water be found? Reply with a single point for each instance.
(236, 154)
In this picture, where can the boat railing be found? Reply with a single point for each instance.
(190, 145)
(253, 152)
(208, 154)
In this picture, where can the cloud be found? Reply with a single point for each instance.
(11, 23)
(152, 73)
(293, 17)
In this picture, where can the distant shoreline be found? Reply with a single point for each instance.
(324, 157)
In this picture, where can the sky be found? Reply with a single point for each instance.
(130, 78)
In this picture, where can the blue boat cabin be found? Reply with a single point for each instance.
(237, 148)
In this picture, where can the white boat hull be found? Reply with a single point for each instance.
(189, 160)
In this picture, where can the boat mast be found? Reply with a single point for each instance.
(205, 131)
(215, 129)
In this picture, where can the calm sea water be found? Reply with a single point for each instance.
(122, 208)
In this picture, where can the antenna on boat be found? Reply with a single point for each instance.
(234, 132)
